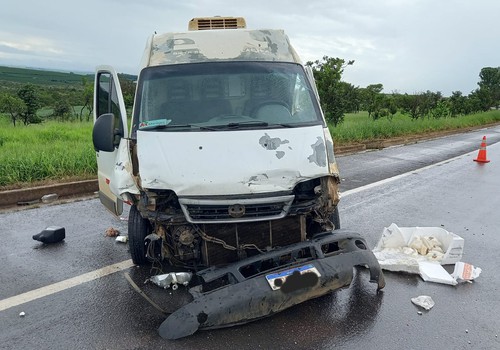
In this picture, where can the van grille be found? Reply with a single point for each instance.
(206, 211)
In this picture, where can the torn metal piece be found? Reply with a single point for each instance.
(172, 279)
(242, 292)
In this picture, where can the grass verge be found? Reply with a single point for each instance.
(359, 127)
(55, 152)
(48, 151)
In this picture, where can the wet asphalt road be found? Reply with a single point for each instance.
(106, 313)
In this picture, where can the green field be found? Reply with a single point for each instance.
(49, 151)
(359, 127)
(41, 77)
(55, 151)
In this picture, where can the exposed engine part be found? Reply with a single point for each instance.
(227, 246)
(186, 241)
(172, 279)
(154, 245)
(322, 217)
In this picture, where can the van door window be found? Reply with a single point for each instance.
(107, 99)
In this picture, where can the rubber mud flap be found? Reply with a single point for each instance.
(178, 325)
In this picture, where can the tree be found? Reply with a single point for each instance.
(391, 106)
(441, 110)
(373, 99)
(412, 105)
(88, 96)
(490, 84)
(352, 97)
(428, 102)
(29, 96)
(457, 103)
(12, 105)
(328, 75)
(481, 100)
(128, 90)
(62, 109)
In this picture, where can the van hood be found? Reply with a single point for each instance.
(235, 162)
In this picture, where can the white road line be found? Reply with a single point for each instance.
(397, 177)
(63, 285)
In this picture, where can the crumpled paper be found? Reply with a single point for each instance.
(424, 301)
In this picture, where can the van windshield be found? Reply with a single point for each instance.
(222, 95)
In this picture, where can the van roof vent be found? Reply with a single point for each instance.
(207, 23)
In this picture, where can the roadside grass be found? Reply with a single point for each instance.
(359, 127)
(62, 151)
(44, 152)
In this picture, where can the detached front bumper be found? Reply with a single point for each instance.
(262, 285)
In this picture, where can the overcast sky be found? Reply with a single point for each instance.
(407, 45)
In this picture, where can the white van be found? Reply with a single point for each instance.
(228, 166)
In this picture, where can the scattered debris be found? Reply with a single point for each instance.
(401, 248)
(424, 301)
(422, 250)
(51, 234)
(22, 314)
(171, 279)
(434, 272)
(465, 272)
(111, 232)
(49, 198)
(123, 239)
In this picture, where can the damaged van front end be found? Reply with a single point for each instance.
(262, 285)
(229, 168)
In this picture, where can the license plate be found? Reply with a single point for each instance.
(278, 279)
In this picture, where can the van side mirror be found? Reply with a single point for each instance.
(104, 134)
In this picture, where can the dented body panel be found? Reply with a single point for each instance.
(219, 45)
(248, 161)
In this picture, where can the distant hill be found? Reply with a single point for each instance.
(23, 76)
(41, 77)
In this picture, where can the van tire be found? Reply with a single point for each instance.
(138, 229)
(335, 219)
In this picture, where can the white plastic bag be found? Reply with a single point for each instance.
(424, 301)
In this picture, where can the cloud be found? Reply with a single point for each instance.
(408, 45)
(28, 45)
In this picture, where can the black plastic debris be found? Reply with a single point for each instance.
(52, 234)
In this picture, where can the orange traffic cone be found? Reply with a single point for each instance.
(481, 156)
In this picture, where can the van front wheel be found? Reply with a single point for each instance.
(138, 229)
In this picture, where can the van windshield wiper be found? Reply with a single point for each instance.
(176, 126)
(250, 123)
